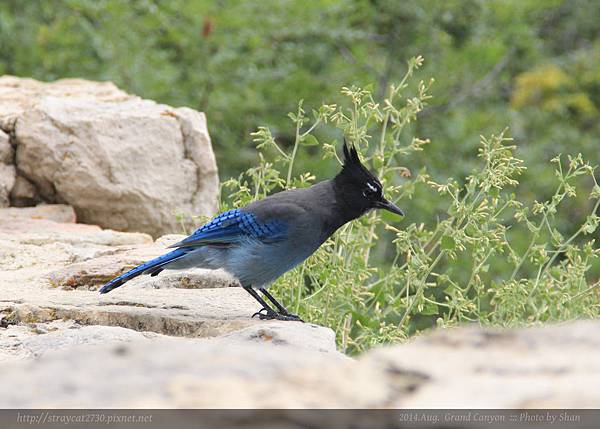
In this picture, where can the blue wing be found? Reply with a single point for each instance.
(226, 229)
(232, 227)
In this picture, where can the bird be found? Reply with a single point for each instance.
(261, 241)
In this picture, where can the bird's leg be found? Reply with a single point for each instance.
(267, 313)
(282, 310)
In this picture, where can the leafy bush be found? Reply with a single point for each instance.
(472, 264)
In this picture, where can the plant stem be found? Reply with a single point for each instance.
(295, 150)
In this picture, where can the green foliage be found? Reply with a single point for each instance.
(245, 63)
(467, 267)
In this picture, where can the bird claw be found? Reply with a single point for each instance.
(291, 317)
(271, 315)
(260, 314)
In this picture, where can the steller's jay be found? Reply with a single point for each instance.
(260, 242)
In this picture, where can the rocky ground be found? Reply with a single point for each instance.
(187, 340)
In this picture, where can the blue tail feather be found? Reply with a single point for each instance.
(154, 263)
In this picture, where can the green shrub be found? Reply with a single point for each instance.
(488, 258)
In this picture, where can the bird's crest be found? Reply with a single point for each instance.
(350, 155)
(355, 171)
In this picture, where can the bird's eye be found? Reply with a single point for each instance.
(367, 193)
(370, 191)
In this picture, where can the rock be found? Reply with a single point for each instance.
(37, 270)
(122, 162)
(194, 278)
(92, 272)
(192, 374)
(51, 271)
(7, 169)
(18, 95)
(44, 232)
(54, 212)
(557, 366)
(6, 150)
(29, 341)
(7, 181)
(550, 367)
(469, 367)
(23, 193)
(298, 335)
(187, 340)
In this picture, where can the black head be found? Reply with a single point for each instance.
(360, 189)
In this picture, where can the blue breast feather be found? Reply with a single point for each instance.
(232, 227)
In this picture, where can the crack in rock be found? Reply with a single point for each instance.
(178, 325)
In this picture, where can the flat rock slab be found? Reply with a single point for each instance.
(179, 312)
(50, 273)
(32, 340)
(264, 367)
(191, 373)
(54, 212)
(557, 366)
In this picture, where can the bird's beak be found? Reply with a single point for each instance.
(389, 206)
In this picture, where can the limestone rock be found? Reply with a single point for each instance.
(32, 251)
(50, 271)
(7, 169)
(91, 273)
(27, 341)
(190, 374)
(6, 150)
(207, 330)
(18, 95)
(23, 193)
(300, 335)
(42, 232)
(122, 162)
(549, 367)
(557, 366)
(7, 181)
(54, 212)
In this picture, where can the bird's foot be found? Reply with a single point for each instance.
(290, 316)
(266, 314)
(279, 316)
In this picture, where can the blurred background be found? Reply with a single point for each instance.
(532, 65)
